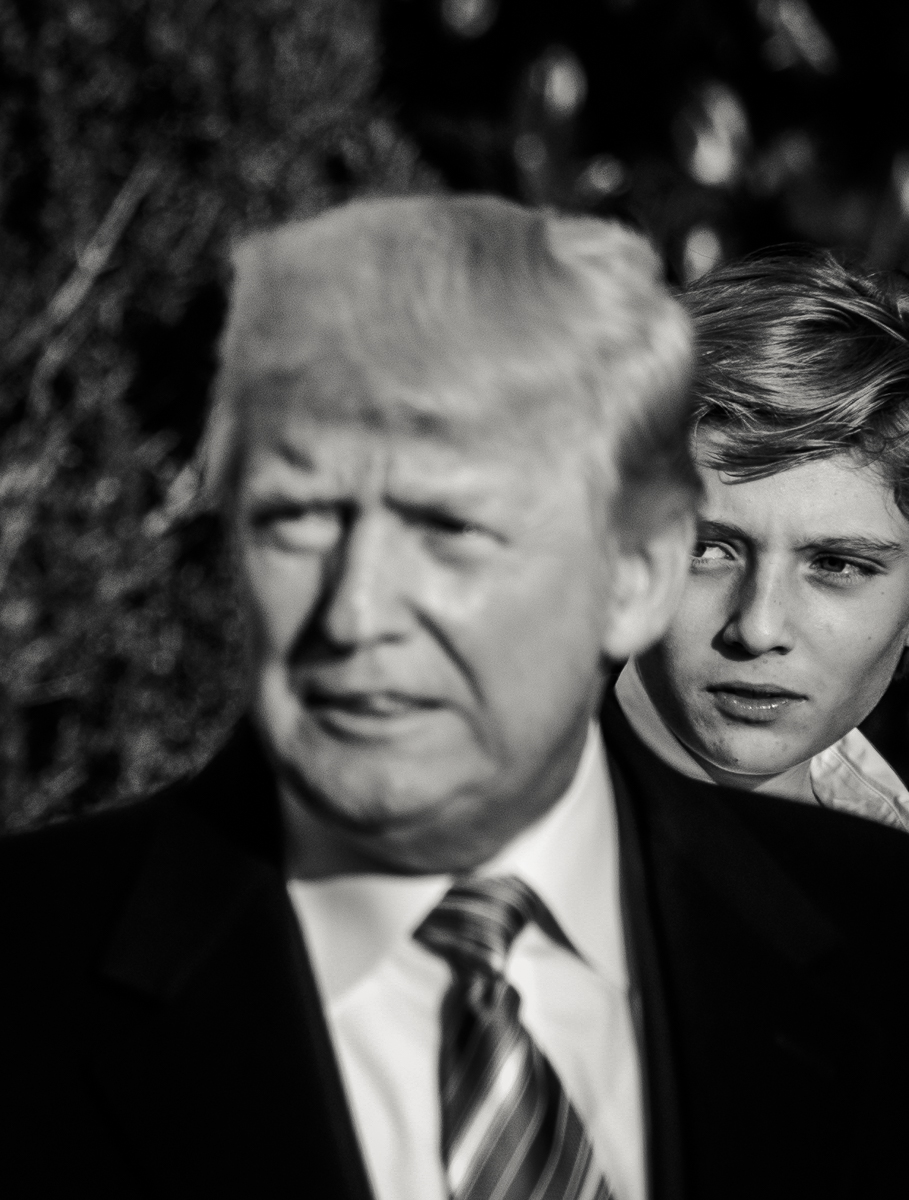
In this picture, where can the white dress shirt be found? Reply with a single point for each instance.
(382, 992)
(850, 775)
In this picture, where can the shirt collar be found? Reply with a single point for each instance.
(850, 775)
(569, 856)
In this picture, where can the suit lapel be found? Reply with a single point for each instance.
(745, 983)
(209, 1040)
(664, 1150)
(766, 1043)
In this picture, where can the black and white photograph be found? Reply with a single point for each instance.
(454, 599)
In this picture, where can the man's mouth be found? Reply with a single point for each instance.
(757, 703)
(356, 713)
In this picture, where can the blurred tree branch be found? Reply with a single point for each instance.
(136, 141)
(90, 263)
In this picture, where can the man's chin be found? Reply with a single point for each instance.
(375, 790)
(362, 809)
(418, 821)
(389, 833)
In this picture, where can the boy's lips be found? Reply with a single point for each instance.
(756, 703)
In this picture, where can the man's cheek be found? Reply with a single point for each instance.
(279, 604)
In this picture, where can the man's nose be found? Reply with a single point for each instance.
(364, 585)
(760, 619)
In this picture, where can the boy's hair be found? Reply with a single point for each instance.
(801, 358)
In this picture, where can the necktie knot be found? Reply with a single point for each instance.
(476, 922)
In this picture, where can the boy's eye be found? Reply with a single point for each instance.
(843, 570)
(708, 552)
(829, 563)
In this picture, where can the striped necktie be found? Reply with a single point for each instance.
(509, 1131)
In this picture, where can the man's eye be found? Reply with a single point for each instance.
(453, 526)
(454, 537)
(438, 523)
(305, 528)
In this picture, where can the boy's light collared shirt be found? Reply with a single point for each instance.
(382, 992)
(850, 775)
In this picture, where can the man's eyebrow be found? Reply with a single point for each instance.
(418, 507)
(296, 456)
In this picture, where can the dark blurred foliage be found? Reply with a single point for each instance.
(137, 137)
(717, 126)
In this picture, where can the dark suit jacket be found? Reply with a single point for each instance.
(162, 1034)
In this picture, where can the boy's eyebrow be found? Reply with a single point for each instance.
(857, 544)
(723, 529)
(821, 543)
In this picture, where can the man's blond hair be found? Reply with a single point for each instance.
(438, 303)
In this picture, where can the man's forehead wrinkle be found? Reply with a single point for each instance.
(475, 477)
(451, 414)
(290, 416)
(449, 477)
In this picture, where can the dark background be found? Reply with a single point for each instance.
(749, 121)
(138, 137)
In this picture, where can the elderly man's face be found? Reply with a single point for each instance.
(428, 611)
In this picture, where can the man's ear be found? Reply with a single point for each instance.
(648, 574)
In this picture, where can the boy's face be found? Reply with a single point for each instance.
(793, 619)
